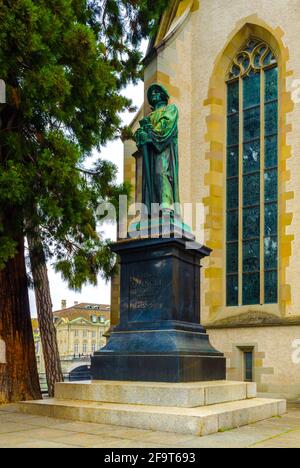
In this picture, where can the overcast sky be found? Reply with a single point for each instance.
(101, 293)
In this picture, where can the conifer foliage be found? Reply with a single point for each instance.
(65, 63)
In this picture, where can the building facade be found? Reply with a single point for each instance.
(80, 332)
(233, 69)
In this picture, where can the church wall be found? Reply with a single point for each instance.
(276, 353)
(212, 29)
(186, 65)
(192, 64)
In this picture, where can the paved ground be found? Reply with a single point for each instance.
(23, 431)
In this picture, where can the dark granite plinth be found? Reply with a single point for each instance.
(159, 337)
(160, 368)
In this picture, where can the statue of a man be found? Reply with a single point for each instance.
(157, 139)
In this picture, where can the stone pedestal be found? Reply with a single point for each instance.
(159, 337)
(187, 408)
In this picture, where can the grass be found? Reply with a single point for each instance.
(224, 430)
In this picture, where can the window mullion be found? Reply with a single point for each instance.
(241, 153)
(262, 187)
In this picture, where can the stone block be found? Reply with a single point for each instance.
(196, 421)
(251, 390)
(186, 395)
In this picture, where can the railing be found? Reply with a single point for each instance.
(76, 357)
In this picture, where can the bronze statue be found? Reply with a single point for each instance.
(157, 139)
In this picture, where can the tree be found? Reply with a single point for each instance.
(39, 273)
(18, 377)
(43, 300)
(64, 63)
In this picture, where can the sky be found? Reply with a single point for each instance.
(100, 294)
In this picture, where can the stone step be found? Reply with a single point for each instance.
(196, 421)
(186, 395)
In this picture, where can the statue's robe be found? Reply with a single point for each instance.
(160, 180)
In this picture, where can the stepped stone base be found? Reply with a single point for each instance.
(192, 408)
(186, 395)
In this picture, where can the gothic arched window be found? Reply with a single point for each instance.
(252, 177)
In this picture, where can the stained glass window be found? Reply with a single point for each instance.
(252, 177)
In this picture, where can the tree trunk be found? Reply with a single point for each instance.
(44, 311)
(18, 369)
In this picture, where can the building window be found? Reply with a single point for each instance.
(76, 333)
(94, 334)
(85, 334)
(94, 347)
(248, 366)
(252, 177)
(84, 348)
(76, 349)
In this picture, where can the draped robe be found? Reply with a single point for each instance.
(160, 160)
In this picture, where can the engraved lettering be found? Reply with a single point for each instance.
(145, 291)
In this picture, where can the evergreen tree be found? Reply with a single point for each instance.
(64, 63)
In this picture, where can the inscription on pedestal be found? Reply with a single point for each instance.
(145, 293)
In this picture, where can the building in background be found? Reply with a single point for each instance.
(36, 335)
(80, 332)
(81, 329)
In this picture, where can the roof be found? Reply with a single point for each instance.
(174, 15)
(84, 310)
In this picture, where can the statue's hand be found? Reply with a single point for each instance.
(145, 123)
(142, 137)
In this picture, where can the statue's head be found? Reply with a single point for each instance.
(156, 94)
